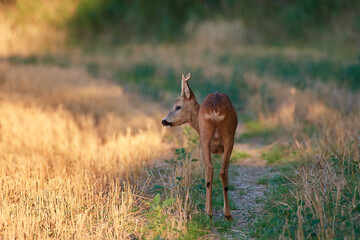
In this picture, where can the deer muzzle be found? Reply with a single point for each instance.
(165, 123)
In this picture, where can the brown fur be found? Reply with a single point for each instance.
(215, 120)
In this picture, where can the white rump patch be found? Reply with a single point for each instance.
(214, 116)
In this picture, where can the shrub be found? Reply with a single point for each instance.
(163, 20)
(139, 20)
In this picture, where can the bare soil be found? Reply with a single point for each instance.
(244, 175)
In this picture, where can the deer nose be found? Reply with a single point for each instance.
(166, 123)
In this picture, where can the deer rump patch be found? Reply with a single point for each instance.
(215, 116)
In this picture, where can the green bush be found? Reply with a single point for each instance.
(164, 20)
(139, 20)
(281, 21)
(351, 75)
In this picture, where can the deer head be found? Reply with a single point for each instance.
(184, 107)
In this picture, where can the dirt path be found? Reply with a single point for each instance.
(244, 175)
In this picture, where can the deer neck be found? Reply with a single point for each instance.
(194, 117)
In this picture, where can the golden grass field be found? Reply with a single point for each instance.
(74, 153)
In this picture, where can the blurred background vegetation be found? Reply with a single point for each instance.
(291, 68)
(273, 22)
(276, 22)
(329, 26)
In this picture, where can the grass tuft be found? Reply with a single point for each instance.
(274, 155)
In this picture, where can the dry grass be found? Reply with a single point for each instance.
(35, 26)
(291, 108)
(75, 155)
(323, 197)
(326, 188)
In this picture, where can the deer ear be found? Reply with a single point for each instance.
(185, 89)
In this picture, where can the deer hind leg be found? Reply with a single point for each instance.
(206, 132)
(228, 146)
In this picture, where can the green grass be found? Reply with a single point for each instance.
(239, 156)
(281, 205)
(270, 224)
(148, 78)
(154, 80)
(264, 181)
(300, 71)
(202, 224)
(274, 155)
(218, 199)
(260, 131)
(93, 68)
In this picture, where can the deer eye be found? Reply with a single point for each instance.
(178, 107)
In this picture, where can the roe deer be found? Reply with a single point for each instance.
(215, 121)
